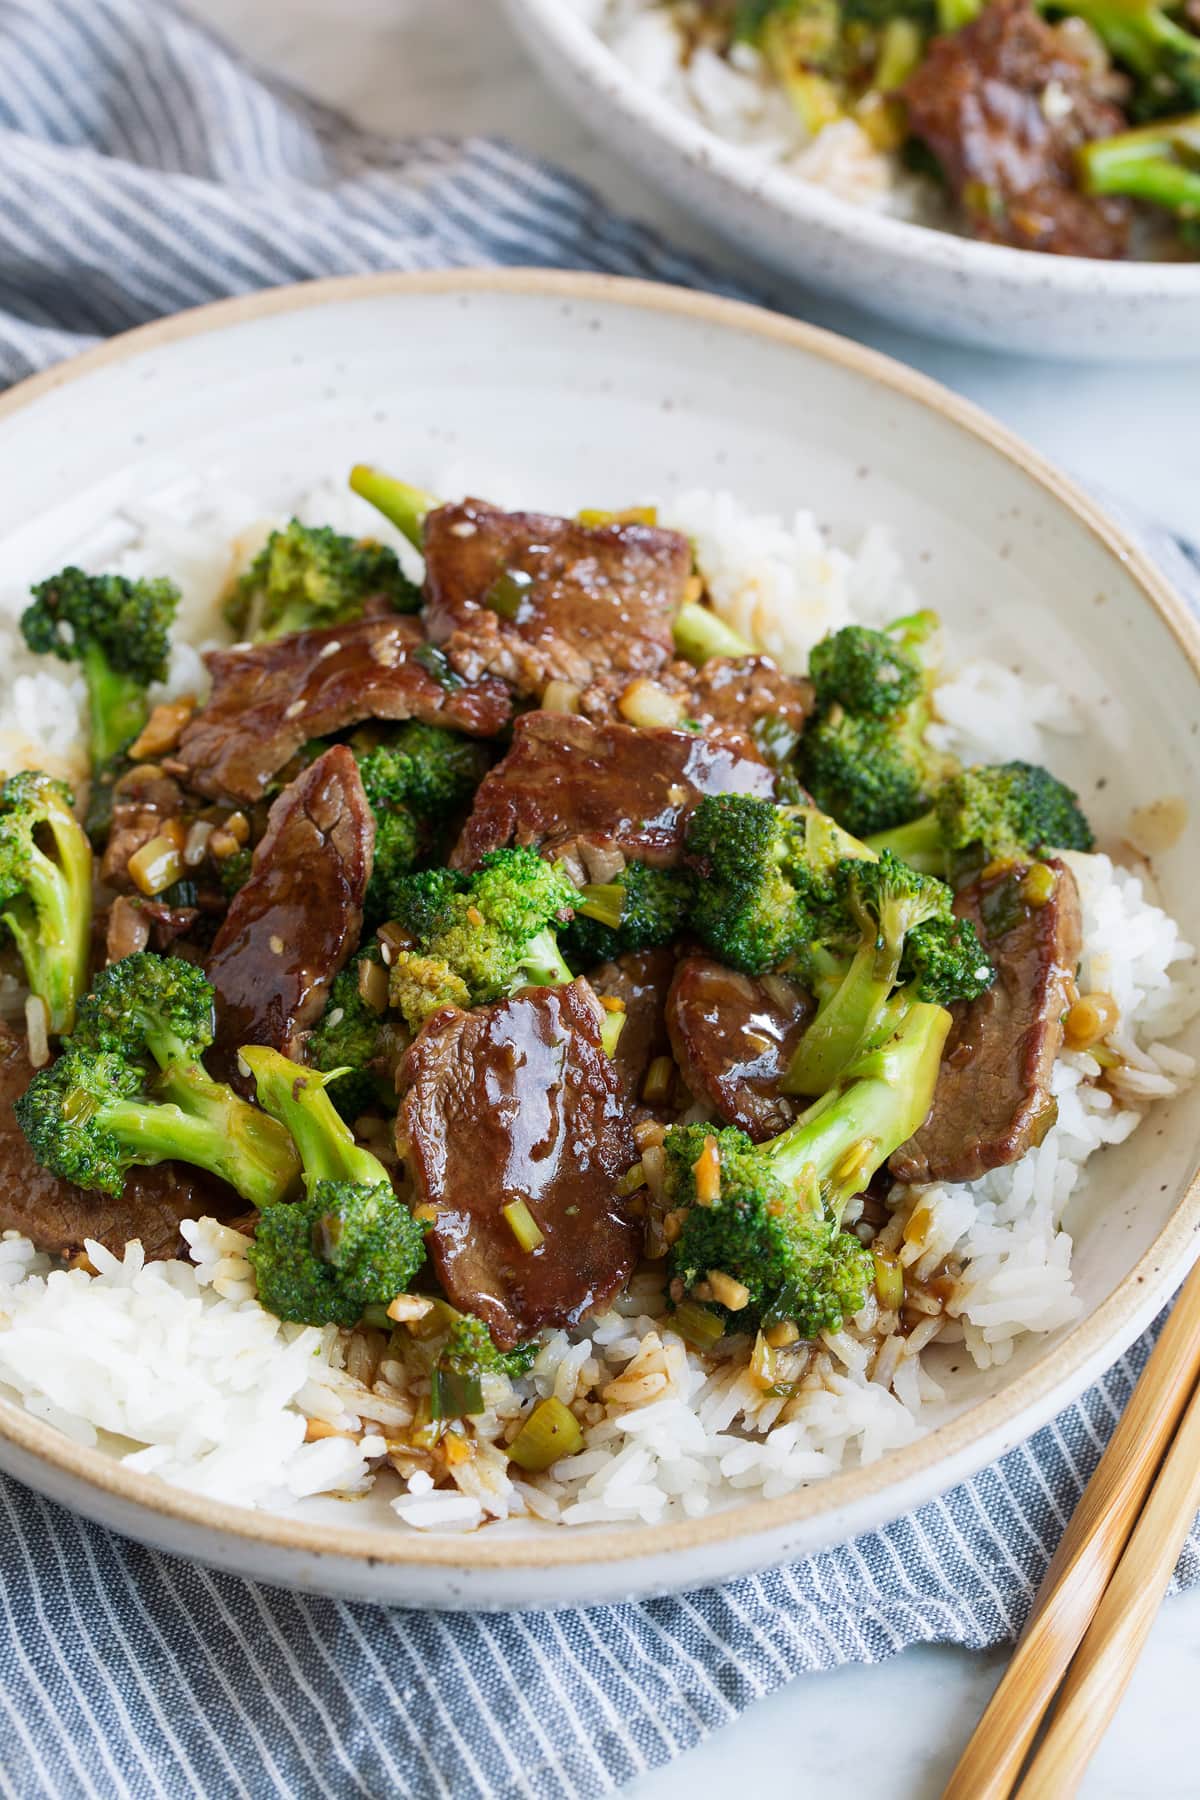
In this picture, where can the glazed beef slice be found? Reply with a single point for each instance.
(536, 599)
(519, 1101)
(640, 980)
(292, 926)
(270, 699)
(569, 784)
(733, 1038)
(993, 1101)
(1004, 104)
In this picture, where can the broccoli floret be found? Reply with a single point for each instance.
(349, 1038)
(233, 872)
(46, 890)
(1158, 164)
(307, 576)
(890, 937)
(405, 506)
(762, 877)
(93, 1115)
(768, 1216)
(350, 1243)
(992, 813)
(643, 909)
(417, 781)
(131, 1087)
(481, 936)
(324, 1259)
(1161, 54)
(456, 1351)
(119, 631)
(864, 760)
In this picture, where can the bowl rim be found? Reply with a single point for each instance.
(802, 201)
(1052, 1380)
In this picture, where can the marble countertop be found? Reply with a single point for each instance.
(892, 1732)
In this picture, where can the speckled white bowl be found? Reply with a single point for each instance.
(566, 388)
(946, 286)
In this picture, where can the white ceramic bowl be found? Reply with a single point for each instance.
(568, 387)
(947, 286)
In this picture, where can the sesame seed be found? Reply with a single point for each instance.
(294, 710)
(276, 943)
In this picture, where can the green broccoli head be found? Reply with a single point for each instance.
(764, 1232)
(1158, 50)
(148, 1008)
(763, 873)
(478, 937)
(46, 890)
(350, 1039)
(432, 771)
(307, 576)
(346, 1246)
(233, 872)
(864, 759)
(1009, 811)
(641, 910)
(944, 961)
(119, 631)
(867, 672)
(992, 813)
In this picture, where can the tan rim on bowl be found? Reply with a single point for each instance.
(1091, 1344)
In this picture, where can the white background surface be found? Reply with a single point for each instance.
(891, 1732)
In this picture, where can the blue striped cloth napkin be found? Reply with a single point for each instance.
(144, 169)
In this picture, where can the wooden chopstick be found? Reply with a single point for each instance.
(1112, 1643)
(1084, 1562)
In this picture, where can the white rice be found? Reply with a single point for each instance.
(737, 98)
(175, 1368)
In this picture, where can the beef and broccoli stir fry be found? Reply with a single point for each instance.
(471, 943)
(1067, 126)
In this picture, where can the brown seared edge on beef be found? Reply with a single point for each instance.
(993, 1101)
(519, 1101)
(567, 784)
(293, 924)
(1004, 104)
(58, 1217)
(640, 979)
(537, 599)
(270, 699)
(733, 1038)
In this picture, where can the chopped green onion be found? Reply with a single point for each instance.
(631, 1181)
(660, 1079)
(631, 515)
(523, 1225)
(611, 1027)
(697, 1325)
(453, 1395)
(506, 596)
(376, 1315)
(435, 663)
(551, 1431)
(602, 901)
(889, 1281)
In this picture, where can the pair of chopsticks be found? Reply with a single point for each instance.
(1094, 1610)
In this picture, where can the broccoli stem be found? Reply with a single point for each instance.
(542, 963)
(117, 706)
(159, 1131)
(602, 901)
(405, 506)
(849, 1020)
(919, 844)
(296, 1097)
(1158, 163)
(882, 1099)
(255, 1143)
(701, 634)
(51, 923)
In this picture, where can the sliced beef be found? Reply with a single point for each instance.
(749, 695)
(640, 979)
(269, 699)
(519, 1101)
(537, 599)
(568, 784)
(58, 1217)
(293, 924)
(733, 1038)
(145, 801)
(993, 1102)
(1004, 104)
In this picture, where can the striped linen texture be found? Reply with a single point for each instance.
(144, 169)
